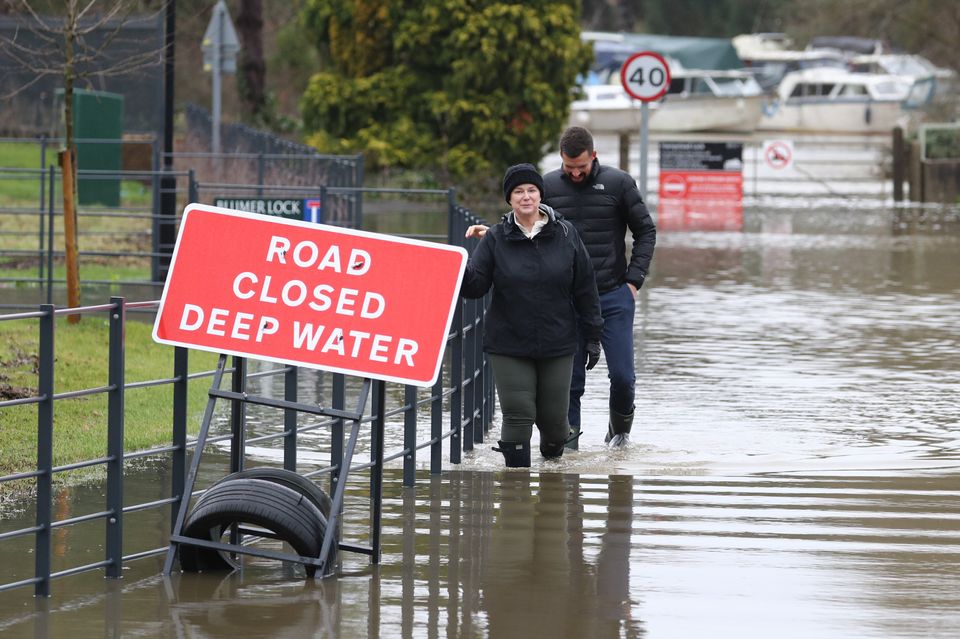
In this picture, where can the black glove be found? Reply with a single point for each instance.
(593, 353)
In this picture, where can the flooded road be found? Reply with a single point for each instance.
(795, 472)
(478, 554)
(807, 341)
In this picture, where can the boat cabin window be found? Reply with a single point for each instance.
(866, 67)
(700, 86)
(887, 88)
(920, 93)
(729, 86)
(852, 91)
(812, 89)
(691, 86)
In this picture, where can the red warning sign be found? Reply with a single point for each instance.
(701, 186)
(310, 295)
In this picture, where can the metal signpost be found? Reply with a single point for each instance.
(645, 76)
(220, 47)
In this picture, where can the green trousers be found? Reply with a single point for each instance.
(533, 391)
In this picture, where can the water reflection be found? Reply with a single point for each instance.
(538, 542)
(516, 554)
(238, 606)
(538, 575)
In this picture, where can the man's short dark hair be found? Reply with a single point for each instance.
(575, 140)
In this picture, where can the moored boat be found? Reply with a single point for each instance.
(697, 100)
(836, 100)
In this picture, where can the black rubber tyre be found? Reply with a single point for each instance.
(302, 485)
(289, 479)
(284, 511)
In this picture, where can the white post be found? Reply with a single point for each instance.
(217, 42)
(644, 128)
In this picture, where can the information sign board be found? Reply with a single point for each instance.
(290, 208)
(701, 186)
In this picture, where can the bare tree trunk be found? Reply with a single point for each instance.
(70, 231)
(68, 169)
(253, 70)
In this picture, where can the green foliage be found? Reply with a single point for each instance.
(942, 144)
(462, 87)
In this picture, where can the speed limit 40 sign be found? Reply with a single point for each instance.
(645, 76)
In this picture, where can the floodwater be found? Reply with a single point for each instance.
(794, 472)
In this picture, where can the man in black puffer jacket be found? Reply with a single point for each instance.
(603, 202)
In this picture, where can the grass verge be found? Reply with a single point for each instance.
(19, 188)
(92, 271)
(80, 424)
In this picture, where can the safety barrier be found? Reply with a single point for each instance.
(464, 385)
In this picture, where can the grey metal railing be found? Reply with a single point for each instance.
(464, 385)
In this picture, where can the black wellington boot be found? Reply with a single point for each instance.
(551, 450)
(573, 439)
(618, 429)
(515, 454)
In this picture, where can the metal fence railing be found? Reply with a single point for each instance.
(460, 408)
(129, 241)
(125, 246)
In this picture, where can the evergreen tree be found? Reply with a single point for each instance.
(460, 86)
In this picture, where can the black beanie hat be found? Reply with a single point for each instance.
(521, 174)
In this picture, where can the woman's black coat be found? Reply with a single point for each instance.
(541, 288)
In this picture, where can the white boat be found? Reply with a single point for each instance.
(697, 100)
(771, 67)
(930, 82)
(605, 108)
(836, 100)
(709, 100)
(769, 57)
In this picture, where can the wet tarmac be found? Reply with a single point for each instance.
(794, 472)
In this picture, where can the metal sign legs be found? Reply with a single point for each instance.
(237, 525)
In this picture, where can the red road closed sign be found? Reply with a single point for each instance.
(310, 295)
